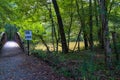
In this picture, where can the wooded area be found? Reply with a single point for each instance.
(58, 23)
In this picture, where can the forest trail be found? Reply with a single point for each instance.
(15, 65)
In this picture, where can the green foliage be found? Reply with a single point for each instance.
(35, 15)
(39, 54)
(78, 66)
(64, 71)
(118, 66)
(10, 30)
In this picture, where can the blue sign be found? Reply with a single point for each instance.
(28, 35)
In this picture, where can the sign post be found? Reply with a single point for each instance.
(28, 46)
(28, 37)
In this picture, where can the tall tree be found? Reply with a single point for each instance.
(104, 18)
(71, 21)
(61, 27)
(91, 24)
(83, 25)
(53, 32)
(83, 28)
(100, 29)
(97, 23)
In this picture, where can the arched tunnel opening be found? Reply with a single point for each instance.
(16, 42)
(10, 38)
(10, 48)
(11, 44)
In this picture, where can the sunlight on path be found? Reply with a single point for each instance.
(11, 44)
(10, 48)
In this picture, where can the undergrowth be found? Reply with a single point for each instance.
(83, 66)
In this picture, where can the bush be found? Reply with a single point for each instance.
(39, 54)
(79, 66)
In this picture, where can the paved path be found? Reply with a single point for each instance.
(14, 65)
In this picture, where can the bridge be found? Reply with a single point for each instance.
(17, 39)
(15, 65)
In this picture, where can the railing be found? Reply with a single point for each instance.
(19, 41)
(3, 39)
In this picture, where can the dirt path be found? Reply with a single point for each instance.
(15, 65)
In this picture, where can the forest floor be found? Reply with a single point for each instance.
(80, 65)
(15, 65)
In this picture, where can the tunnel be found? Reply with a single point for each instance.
(10, 36)
(7, 42)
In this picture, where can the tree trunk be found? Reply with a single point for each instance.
(97, 23)
(105, 27)
(91, 25)
(83, 27)
(115, 46)
(44, 43)
(85, 39)
(69, 30)
(53, 33)
(60, 23)
(71, 22)
(101, 28)
(82, 21)
(52, 28)
(77, 39)
(101, 37)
